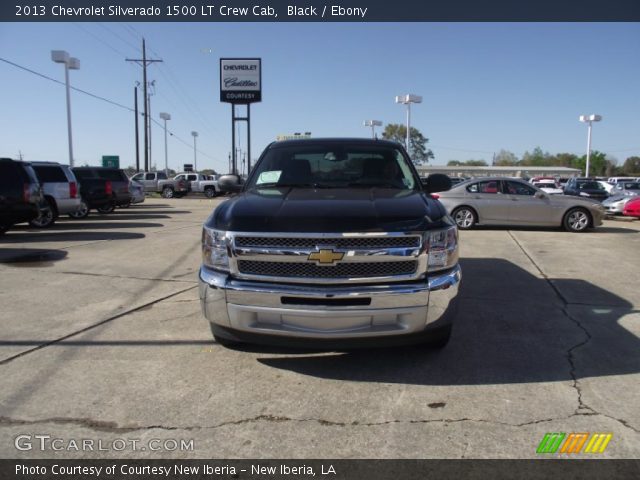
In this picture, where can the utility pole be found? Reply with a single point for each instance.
(135, 99)
(151, 84)
(143, 62)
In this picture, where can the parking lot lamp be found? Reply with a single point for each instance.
(408, 100)
(195, 160)
(70, 63)
(373, 124)
(165, 116)
(589, 119)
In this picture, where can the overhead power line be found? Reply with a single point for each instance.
(98, 97)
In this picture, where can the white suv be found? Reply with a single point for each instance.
(61, 192)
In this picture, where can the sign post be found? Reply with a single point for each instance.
(240, 84)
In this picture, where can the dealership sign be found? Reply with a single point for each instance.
(240, 80)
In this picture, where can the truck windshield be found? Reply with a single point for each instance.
(328, 166)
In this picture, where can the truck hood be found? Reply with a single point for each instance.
(328, 210)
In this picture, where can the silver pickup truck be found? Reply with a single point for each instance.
(158, 182)
(200, 183)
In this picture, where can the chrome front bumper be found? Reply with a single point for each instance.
(328, 312)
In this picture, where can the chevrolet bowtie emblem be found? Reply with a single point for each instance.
(325, 256)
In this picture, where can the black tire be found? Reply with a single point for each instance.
(82, 212)
(210, 192)
(108, 208)
(465, 217)
(167, 192)
(577, 220)
(46, 217)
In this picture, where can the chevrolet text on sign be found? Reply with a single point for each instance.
(240, 80)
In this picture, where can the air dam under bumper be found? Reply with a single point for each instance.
(270, 313)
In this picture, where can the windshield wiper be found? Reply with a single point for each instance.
(375, 184)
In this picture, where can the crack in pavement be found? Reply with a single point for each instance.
(124, 277)
(582, 409)
(113, 427)
(91, 327)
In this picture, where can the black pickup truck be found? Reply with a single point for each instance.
(101, 188)
(334, 243)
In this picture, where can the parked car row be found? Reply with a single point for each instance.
(39, 192)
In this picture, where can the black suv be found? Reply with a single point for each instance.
(20, 193)
(585, 187)
(101, 188)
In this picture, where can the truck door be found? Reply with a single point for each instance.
(193, 179)
(150, 184)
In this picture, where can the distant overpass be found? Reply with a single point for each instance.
(515, 171)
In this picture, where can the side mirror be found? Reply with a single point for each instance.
(540, 195)
(436, 182)
(229, 184)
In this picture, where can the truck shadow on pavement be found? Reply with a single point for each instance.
(511, 327)
(81, 225)
(30, 257)
(70, 236)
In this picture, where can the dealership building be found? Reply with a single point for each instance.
(487, 171)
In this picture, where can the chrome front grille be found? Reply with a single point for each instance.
(342, 242)
(341, 270)
(361, 257)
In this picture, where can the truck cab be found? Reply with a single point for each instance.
(331, 243)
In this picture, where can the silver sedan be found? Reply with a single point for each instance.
(507, 201)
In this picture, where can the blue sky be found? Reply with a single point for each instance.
(486, 86)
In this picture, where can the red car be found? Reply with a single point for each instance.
(632, 208)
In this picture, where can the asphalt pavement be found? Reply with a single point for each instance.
(103, 341)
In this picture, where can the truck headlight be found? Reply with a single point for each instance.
(442, 249)
(214, 249)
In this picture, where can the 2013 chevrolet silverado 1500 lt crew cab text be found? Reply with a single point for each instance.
(332, 243)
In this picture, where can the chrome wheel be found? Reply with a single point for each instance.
(167, 193)
(82, 212)
(44, 219)
(577, 220)
(464, 218)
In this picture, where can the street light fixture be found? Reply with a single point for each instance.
(589, 119)
(195, 160)
(70, 63)
(408, 100)
(165, 116)
(373, 124)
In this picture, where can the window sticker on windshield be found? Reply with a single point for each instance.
(269, 177)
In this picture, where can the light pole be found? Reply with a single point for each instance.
(165, 116)
(70, 63)
(408, 100)
(589, 119)
(373, 124)
(195, 160)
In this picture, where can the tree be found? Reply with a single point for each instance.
(208, 171)
(418, 151)
(631, 165)
(130, 171)
(537, 158)
(505, 158)
(597, 163)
